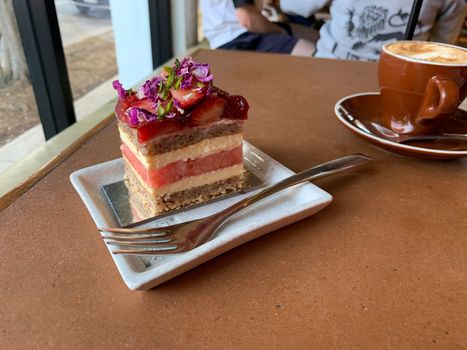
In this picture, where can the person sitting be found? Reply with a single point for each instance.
(239, 25)
(358, 29)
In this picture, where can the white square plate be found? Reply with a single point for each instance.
(282, 209)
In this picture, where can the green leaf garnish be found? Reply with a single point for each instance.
(165, 93)
(169, 106)
(178, 81)
(160, 110)
(170, 79)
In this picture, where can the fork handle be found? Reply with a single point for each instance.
(314, 173)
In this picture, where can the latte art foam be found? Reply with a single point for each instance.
(430, 52)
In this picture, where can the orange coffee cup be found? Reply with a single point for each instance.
(421, 85)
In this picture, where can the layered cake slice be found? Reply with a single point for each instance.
(181, 139)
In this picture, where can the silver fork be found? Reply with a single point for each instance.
(188, 235)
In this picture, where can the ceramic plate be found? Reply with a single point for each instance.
(356, 111)
(140, 272)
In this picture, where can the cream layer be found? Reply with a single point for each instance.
(189, 182)
(198, 150)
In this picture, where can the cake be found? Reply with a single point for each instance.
(181, 138)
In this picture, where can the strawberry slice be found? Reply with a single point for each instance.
(187, 97)
(145, 104)
(157, 128)
(208, 111)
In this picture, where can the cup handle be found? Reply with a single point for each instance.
(441, 96)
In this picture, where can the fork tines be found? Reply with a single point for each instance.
(143, 240)
(141, 236)
(172, 250)
(133, 230)
(141, 244)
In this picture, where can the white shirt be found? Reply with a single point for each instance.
(220, 23)
(359, 28)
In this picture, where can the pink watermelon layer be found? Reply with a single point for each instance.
(179, 170)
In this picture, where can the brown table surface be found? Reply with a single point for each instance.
(384, 266)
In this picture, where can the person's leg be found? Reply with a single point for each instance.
(246, 41)
(303, 48)
(277, 43)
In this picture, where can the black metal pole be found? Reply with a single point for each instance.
(161, 31)
(40, 36)
(413, 19)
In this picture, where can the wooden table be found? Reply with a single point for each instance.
(384, 266)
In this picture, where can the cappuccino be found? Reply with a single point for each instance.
(429, 51)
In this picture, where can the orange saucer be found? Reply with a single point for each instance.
(360, 113)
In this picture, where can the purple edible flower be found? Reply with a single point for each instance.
(184, 66)
(201, 72)
(139, 116)
(185, 75)
(120, 90)
(189, 69)
(133, 116)
(152, 87)
(186, 81)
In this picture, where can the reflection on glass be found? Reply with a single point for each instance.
(88, 42)
(87, 38)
